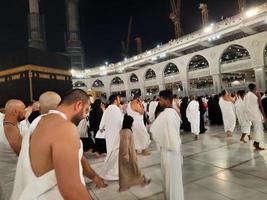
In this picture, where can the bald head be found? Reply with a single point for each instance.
(15, 108)
(14, 104)
(49, 101)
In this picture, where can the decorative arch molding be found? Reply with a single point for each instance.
(79, 84)
(233, 53)
(150, 74)
(170, 69)
(98, 83)
(134, 78)
(198, 62)
(117, 81)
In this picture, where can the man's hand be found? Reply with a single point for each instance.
(99, 182)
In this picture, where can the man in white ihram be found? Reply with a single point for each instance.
(166, 132)
(193, 116)
(111, 124)
(255, 113)
(10, 145)
(47, 171)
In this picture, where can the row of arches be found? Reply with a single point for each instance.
(231, 54)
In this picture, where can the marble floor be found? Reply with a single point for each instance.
(214, 168)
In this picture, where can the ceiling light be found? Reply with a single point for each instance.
(252, 12)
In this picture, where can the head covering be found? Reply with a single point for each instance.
(127, 122)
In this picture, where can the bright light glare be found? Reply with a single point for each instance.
(208, 29)
(102, 68)
(252, 12)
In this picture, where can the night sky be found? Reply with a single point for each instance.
(104, 24)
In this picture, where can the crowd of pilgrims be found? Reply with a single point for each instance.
(35, 163)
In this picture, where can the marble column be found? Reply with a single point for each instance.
(260, 76)
(36, 35)
(186, 87)
(217, 83)
(74, 45)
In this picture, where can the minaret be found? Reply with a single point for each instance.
(36, 36)
(74, 45)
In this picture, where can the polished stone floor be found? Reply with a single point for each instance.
(214, 168)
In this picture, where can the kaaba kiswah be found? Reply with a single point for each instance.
(27, 74)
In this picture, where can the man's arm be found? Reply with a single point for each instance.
(65, 151)
(14, 138)
(91, 174)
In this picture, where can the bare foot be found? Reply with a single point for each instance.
(146, 182)
(259, 149)
(97, 155)
(229, 134)
(123, 189)
(243, 140)
(146, 153)
(196, 137)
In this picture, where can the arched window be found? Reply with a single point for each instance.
(150, 74)
(198, 62)
(171, 69)
(135, 91)
(134, 78)
(98, 83)
(116, 81)
(234, 53)
(79, 84)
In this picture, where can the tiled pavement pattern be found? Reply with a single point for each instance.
(215, 168)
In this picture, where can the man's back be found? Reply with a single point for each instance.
(50, 130)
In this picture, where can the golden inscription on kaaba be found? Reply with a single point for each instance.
(44, 76)
(15, 77)
(2, 80)
(60, 77)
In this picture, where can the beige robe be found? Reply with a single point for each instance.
(129, 172)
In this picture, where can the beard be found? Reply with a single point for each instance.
(77, 118)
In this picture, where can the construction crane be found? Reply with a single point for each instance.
(175, 17)
(126, 45)
(242, 5)
(205, 14)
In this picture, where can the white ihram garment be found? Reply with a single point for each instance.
(140, 135)
(29, 187)
(254, 114)
(112, 123)
(166, 132)
(193, 116)
(240, 110)
(8, 164)
(228, 113)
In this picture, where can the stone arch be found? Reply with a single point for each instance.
(150, 74)
(116, 81)
(79, 84)
(98, 83)
(134, 78)
(234, 53)
(198, 62)
(170, 69)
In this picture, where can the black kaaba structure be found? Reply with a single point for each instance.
(29, 62)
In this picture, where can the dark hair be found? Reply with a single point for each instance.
(136, 96)
(73, 96)
(175, 96)
(252, 86)
(166, 94)
(97, 104)
(223, 93)
(112, 98)
(127, 122)
(241, 93)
